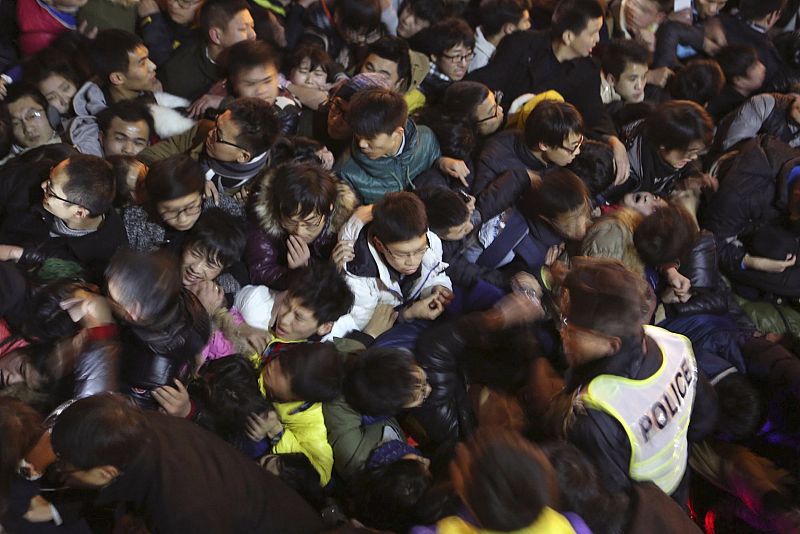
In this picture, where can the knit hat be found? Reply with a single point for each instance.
(389, 452)
(360, 82)
(603, 295)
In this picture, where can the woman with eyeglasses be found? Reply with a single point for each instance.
(174, 200)
(295, 216)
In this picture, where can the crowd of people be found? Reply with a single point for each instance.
(427, 266)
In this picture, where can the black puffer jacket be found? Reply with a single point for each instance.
(752, 193)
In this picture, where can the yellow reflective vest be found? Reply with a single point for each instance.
(654, 412)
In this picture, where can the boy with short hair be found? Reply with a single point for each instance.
(498, 18)
(396, 261)
(744, 75)
(123, 128)
(624, 69)
(388, 150)
(75, 221)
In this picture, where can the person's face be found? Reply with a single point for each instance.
(240, 28)
(197, 266)
(259, 82)
(29, 123)
(456, 233)
(306, 228)
(272, 464)
(642, 14)
(455, 61)
(584, 42)
(55, 200)
(337, 122)
(381, 145)
(643, 202)
(753, 80)
(277, 384)
(489, 114)
(181, 213)
(709, 8)
(304, 75)
(221, 141)
(125, 138)
(386, 68)
(404, 257)
(630, 85)
(58, 91)
(183, 11)
(296, 322)
(422, 389)
(409, 24)
(680, 158)
(572, 225)
(563, 155)
(525, 22)
(141, 75)
(16, 368)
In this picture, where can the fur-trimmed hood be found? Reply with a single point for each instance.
(344, 206)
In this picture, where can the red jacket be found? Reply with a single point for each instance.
(39, 25)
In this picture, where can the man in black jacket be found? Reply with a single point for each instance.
(179, 476)
(558, 59)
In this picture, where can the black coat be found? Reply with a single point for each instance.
(189, 480)
(505, 152)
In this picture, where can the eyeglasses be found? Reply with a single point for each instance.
(292, 226)
(192, 209)
(30, 116)
(217, 133)
(407, 255)
(48, 192)
(460, 58)
(498, 97)
(574, 149)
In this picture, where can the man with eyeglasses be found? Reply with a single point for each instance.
(451, 52)
(27, 109)
(75, 221)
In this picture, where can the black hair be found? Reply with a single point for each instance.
(358, 15)
(429, 10)
(398, 217)
(218, 13)
(508, 480)
(454, 120)
(219, 235)
(298, 473)
(392, 49)
(128, 111)
(152, 280)
(788, 45)
(389, 497)
(582, 489)
(758, 9)
(559, 192)
(445, 208)
(103, 429)
(45, 321)
(323, 290)
(258, 124)
(443, 35)
(665, 235)
(550, 123)
(47, 62)
(736, 60)
(316, 55)
(740, 407)
(594, 166)
(620, 53)
(18, 91)
(381, 381)
(675, 125)
(301, 189)
(246, 55)
(315, 371)
(91, 183)
(21, 428)
(494, 14)
(376, 111)
(293, 150)
(109, 51)
(120, 166)
(574, 16)
(699, 81)
(171, 178)
(227, 388)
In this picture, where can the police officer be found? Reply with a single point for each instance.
(639, 399)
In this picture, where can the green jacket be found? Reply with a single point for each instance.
(372, 179)
(191, 142)
(106, 14)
